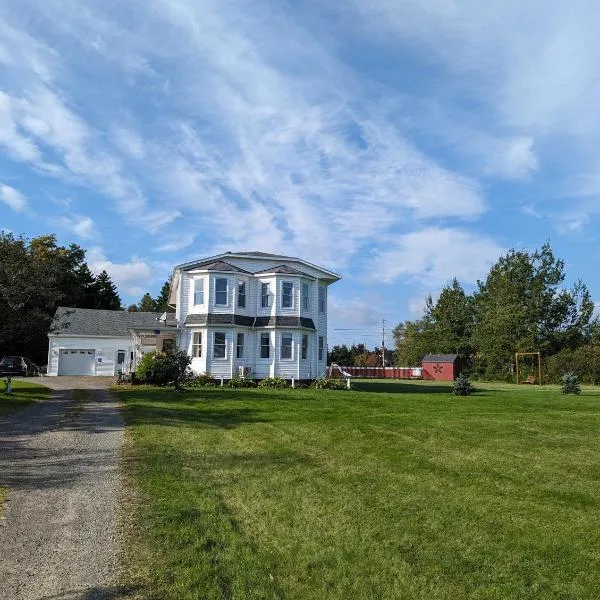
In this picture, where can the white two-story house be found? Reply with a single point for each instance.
(252, 313)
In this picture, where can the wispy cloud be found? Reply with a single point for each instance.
(13, 198)
(83, 227)
(431, 257)
(282, 147)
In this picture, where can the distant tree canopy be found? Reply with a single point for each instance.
(357, 355)
(36, 276)
(522, 305)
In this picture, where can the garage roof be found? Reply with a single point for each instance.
(109, 323)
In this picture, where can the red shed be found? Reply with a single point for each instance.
(440, 367)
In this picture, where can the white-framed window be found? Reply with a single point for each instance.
(321, 299)
(264, 295)
(241, 298)
(239, 348)
(287, 294)
(197, 344)
(120, 358)
(221, 289)
(287, 345)
(265, 345)
(199, 291)
(304, 346)
(220, 345)
(321, 346)
(305, 296)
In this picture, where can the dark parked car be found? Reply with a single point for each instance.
(18, 366)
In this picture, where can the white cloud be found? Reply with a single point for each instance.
(13, 198)
(81, 226)
(432, 257)
(130, 277)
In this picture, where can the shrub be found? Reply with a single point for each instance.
(163, 368)
(462, 386)
(330, 384)
(202, 380)
(570, 384)
(273, 382)
(241, 382)
(583, 362)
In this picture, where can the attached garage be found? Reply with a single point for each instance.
(96, 342)
(77, 362)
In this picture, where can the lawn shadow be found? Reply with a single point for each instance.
(195, 413)
(398, 387)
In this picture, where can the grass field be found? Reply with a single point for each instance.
(367, 494)
(23, 392)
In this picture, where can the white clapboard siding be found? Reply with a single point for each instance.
(105, 350)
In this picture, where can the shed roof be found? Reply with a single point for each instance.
(440, 358)
(93, 322)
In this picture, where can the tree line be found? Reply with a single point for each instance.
(38, 275)
(521, 306)
(358, 355)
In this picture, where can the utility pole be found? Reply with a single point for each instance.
(383, 342)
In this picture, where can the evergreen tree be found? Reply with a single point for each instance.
(133, 308)
(147, 303)
(451, 320)
(105, 293)
(162, 301)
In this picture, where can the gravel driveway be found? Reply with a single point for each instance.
(59, 461)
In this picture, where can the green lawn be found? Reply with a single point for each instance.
(23, 392)
(355, 495)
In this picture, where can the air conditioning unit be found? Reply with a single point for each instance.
(244, 371)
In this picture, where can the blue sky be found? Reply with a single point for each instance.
(397, 142)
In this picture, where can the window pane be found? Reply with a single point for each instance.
(197, 344)
(240, 345)
(242, 295)
(304, 346)
(287, 300)
(264, 295)
(305, 296)
(320, 348)
(199, 291)
(265, 344)
(219, 349)
(286, 346)
(321, 299)
(221, 291)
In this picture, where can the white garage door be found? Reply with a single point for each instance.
(76, 362)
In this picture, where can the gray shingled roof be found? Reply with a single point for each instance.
(221, 265)
(111, 323)
(440, 358)
(285, 269)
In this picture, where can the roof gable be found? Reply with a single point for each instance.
(221, 265)
(283, 269)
